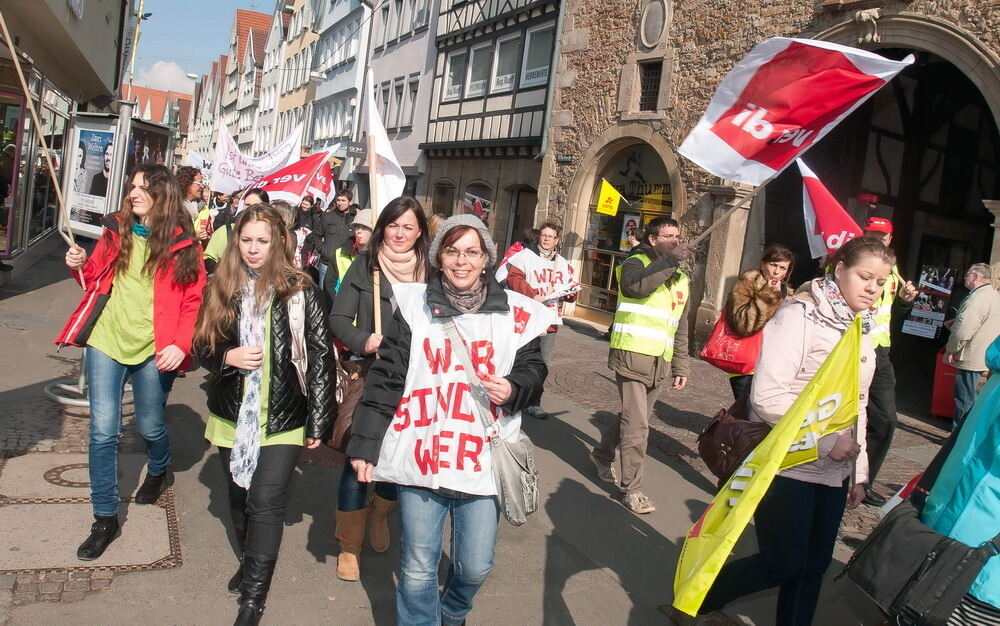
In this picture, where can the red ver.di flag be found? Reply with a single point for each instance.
(828, 225)
(778, 101)
(290, 183)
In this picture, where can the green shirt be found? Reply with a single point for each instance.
(124, 331)
(217, 243)
(221, 432)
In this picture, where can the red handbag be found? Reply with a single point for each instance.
(729, 352)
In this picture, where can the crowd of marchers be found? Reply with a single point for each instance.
(330, 326)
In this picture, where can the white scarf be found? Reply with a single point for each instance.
(246, 443)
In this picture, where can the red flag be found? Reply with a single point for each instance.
(828, 225)
(322, 184)
(290, 183)
(780, 100)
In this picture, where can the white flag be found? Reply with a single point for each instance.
(385, 174)
(232, 170)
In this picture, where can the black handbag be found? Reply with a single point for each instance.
(913, 573)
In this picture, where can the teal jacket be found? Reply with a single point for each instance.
(964, 503)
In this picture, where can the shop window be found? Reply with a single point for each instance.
(443, 200)
(505, 63)
(455, 75)
(479, 71)
(537, 56)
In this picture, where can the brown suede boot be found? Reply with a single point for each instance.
(378, 522)
(351, 534)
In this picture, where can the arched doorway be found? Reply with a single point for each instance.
(638, 172)
(925, 153)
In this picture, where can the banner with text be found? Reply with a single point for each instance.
(232, 170)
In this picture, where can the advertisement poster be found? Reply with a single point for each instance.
(480, 207)
(146, 145)
(90, 156)
(630, 224)
(926, 318)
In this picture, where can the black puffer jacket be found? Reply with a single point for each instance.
(352, 319)
(288, 408)
(386, 379)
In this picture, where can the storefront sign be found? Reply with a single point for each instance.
(926, 317)
(90, 156)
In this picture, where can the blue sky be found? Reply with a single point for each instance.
(187, 33)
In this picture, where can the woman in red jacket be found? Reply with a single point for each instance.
(143, 285)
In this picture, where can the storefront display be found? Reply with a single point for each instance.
(926, 318)
(639, 175)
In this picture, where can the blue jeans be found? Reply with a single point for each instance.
(473, 538)
(106, 383)
(322, 272)
(966, 384)
(353, 495)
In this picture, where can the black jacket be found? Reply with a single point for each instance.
(351, 318)
(386, 379)
(330, 230)
(288, 408)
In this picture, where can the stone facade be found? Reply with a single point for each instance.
(595, 109)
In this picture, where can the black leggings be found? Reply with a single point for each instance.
(796, 525)
(262, 507)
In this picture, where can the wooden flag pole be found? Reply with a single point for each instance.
(725, 216)
(373, 203)
(68, 235)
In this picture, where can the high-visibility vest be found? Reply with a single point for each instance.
(343, 263)
(648, 325)
(880, 334)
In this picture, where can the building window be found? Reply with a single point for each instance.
(398, 115)
(479, 71)
(385, 104)
(537, 56)
(414, 90)
(384, 35)
(649, 85)
(505, 63)
(455, 75)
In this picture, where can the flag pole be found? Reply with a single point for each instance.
(56, 184)
(725, 216)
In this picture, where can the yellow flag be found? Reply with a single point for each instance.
(609, 199)
(829, 403)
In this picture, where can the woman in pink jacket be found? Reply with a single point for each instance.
(798, 518)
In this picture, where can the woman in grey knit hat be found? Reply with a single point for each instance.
(419, 426)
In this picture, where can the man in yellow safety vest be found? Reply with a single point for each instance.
(882, 393)
(648, 341)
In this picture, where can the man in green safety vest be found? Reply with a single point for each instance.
(882, 393)
(649, 341)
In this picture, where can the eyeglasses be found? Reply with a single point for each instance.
(548, 236)
(471, 255)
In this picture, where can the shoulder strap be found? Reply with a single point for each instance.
(480, 400)
(296, 323)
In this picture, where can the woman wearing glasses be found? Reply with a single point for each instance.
(541, 273)
(398, 252)
(419, 425)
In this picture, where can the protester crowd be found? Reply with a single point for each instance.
(376, 334)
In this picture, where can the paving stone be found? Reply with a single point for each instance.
(77, 585)
(24, 598)
(27, 578)
(26, 588)
(55, 577)
(7, 581)
(100, 583)
(50, 597)
(73, 596)
(55, 587)
(80, 575)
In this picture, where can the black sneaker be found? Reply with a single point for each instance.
(873, 498)
(152, 487)
(102, 533)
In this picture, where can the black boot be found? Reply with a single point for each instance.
(102, 533)
(240, 528)
(257, 572)
(152, 487)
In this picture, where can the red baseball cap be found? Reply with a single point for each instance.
(879, 225)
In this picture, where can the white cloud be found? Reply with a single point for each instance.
(166, 76)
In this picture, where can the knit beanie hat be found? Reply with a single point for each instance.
(466, 219)
(363, 218)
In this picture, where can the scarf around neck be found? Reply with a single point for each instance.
(465, 301)
(841, 309)
(548, 255)
(246, 442)
(400, 267)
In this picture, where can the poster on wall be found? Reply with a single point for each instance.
(89, 156)
(630, 225)
(480, 207)
(926, 318)
(147, 144)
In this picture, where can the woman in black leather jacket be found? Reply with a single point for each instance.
(260, 413)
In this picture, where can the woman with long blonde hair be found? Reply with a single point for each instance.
(143, 283)
(261, 411)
